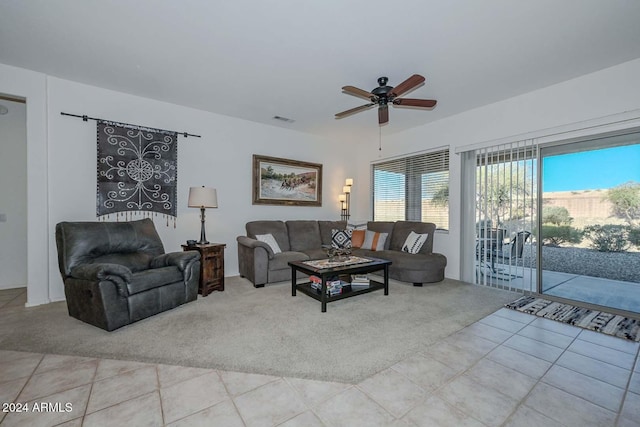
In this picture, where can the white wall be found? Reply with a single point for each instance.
(222, 159)
(61, 156)
(13, 195)
(611, 91)
(32, 86)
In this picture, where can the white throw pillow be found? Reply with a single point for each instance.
(414, 242)
(269, 240)
(374, 241)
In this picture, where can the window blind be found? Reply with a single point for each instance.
(413, 188)
(501, 187)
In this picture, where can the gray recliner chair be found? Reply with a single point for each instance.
(116, 273)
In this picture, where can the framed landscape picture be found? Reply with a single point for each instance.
(286, 182)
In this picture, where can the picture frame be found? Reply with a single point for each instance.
(278, 181)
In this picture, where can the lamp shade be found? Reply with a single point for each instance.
(348, 181)
(203, 197)
(342, 198)
(346, 189)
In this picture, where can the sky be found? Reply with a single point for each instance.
(591, 170)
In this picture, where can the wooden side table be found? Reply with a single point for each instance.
(211, 266)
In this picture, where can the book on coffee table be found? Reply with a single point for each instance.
(359, 281)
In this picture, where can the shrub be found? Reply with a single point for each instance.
(556, 215)
(626, 201)
(634, 236)
(555, 235)
(608, 237)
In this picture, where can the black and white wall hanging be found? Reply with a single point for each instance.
(136, 171)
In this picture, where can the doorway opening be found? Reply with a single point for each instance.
(13, 192)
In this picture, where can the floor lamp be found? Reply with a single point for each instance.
(345, 200)
(202, 197)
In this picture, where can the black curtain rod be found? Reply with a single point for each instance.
(85, 118)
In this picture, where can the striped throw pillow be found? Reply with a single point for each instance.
(414, 242)
(374, 241)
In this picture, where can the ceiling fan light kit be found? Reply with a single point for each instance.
(383, 95)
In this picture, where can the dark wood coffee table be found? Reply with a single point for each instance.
(374, 264)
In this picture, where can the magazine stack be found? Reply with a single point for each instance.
(359, 281)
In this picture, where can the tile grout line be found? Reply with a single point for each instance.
(636, 363)
(538, 381)
(453, 377)
(162, 414)
(231, 398)
(521, 403)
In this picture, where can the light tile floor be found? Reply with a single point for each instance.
(508, 369)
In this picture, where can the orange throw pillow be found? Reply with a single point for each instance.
(357, 238)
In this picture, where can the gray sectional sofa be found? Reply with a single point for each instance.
(303, 239)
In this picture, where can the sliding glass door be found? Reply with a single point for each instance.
(589, 226)
(560, 219)
(499, 225)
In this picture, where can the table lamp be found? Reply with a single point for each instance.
(202, 197)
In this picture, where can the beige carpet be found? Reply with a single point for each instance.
(267, 330)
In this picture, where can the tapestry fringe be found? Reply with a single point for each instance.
(134, 215)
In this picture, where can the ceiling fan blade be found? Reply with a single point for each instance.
(383, 114)
(352, 90)
(411, 102)
(404, 87)
(354, 110)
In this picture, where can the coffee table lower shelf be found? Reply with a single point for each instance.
(306, 288)
(369, 267)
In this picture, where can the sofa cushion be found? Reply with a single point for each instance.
(316, 253)
(382, 227)
(154, 278)
(402, 229)
(327, 226)
(281, 260)
(135, 262)
(277, 228)
(406, 261)
(81, 242)
(303, 235)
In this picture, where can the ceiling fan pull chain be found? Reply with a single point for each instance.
(380, 138)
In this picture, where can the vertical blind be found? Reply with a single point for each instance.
(505, 197)
(413, 188)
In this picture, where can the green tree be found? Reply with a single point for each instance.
(504, 192)
(269, 173)
(441, 197)
(556, 215)
(626, 201)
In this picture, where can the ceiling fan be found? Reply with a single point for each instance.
(383, 95)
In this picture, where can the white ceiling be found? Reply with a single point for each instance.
(255, 59)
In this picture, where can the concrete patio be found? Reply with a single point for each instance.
(617, 294)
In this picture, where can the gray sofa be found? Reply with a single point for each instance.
(116, 273)
(302, 240)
